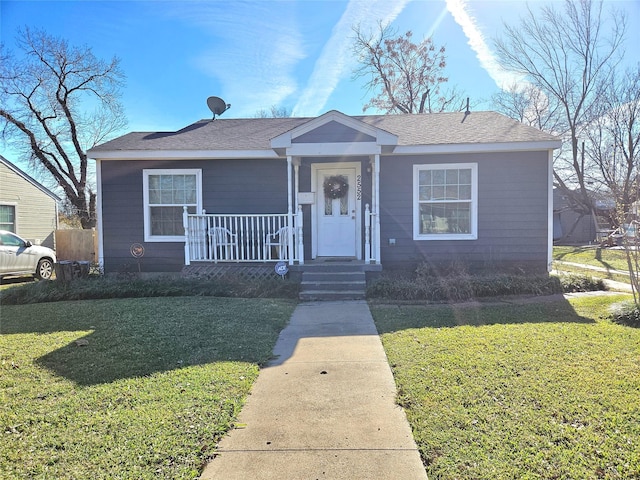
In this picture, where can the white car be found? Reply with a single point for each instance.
(20, 257)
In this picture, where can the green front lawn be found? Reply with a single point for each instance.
(539, 391)
(130, 388)
(592, 255)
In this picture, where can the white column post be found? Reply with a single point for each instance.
(290, 209)
(376, 208)
(296, 183)
(299, 225)
(367, 234)
(185, 224)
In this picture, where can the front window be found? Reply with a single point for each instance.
(166, 193)
(445, 202)
(8, 218)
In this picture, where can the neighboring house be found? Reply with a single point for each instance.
(26, 207)
(573, 228)
(386, 190)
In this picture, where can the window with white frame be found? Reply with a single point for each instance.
(445, 201)
(8, 218)
(166, 193)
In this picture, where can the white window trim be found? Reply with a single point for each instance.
(15, 214)
(474, 202)
(145, 192)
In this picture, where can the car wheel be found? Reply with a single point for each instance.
(45, 269)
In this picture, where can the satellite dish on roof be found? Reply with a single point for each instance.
(217, 106)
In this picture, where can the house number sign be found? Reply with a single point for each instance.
(359, 187)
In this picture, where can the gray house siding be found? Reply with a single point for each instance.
(333, 132)
(36, 212)
(512, 213)
(229, 187)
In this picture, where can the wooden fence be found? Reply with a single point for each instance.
(78, 245)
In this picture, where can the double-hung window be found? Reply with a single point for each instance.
(8, 217)
(166, 193)
(445, 201)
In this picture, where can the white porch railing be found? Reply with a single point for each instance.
(243, 238)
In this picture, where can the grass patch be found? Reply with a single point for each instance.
(546, 390)
(592, 255)
(563, 269)
(128, 388)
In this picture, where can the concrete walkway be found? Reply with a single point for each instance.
(610, 284)
(324, 408)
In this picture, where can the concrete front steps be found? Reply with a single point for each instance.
(333, 281)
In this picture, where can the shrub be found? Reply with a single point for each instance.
(626, 313)
(96, 287)
(581, 283)
(455, 285)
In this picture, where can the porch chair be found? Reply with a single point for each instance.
(224, 244)
(278, 239)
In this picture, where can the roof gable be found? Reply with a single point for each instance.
(333, 132)
(28, 179)
(334, 127)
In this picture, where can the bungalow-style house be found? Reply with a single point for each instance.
(385, 191)
(27, 208)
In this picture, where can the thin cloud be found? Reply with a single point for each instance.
(475, 38)
(254, 50)
(336, 60)
(437, 22)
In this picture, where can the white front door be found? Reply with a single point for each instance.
(336, 212)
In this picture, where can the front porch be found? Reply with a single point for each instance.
(251, 240)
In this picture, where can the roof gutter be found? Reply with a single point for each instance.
(302, 151)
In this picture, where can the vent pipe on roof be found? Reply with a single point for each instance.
(467, 112)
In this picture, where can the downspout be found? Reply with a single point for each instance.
(550, 211)
(376, 207)
(99, 215)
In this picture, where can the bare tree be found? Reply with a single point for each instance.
(529, 105)
(614, 146)
(614, 137)
(566, 55)
(405, 77)
(273, 112)
(56, 102)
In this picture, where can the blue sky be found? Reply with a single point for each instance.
(254, 54)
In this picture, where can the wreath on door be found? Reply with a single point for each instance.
(335, 186)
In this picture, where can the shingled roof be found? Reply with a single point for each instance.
(256, 133)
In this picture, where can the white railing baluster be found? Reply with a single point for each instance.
(240, 238)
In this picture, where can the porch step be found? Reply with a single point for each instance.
(337, 282)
